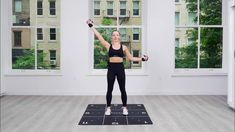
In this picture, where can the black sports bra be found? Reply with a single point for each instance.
(116, 53)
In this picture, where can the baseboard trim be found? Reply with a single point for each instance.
(231, 104)
(114, 93)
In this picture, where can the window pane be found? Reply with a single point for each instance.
(186, 55)
(107, 15)
(123, 33)
(135, 54)
(96, 7)
(211, 12)
(23, 56)
(192, 18)
(50, 49)
(39, 34)
(135, 45)
(40, 59)
(52, 8)
(52, 60)
(186, 12)
(123, 8)
(135, 8)
(39, 8)
(18, 5)
(130, 13)
(52, 34)
(136, 34)
(110, 8)
(177, 42)
(211, 48)
(21, 13)
(177, 18)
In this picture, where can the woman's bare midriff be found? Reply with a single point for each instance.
(115, 59)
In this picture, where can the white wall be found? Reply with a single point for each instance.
(1, 42)
(75, 57)
(231, 66)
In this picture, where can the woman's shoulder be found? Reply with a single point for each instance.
(124, 47)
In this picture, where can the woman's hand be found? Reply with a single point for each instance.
(145, 58)
(89, 22)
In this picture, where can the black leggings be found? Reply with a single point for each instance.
(116, 69)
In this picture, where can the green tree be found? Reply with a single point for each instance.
(27, 60)
(100, 53)
(186, 57)
(107, 21)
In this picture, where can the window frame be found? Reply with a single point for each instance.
(40, 8)
(143, 71)
(18, 38)
(7, 54)
(204, 71)
(49, 8)
(125, 9)
(42, 33)
(135, 63)
(107, 9)
(139, 3)
(96, 8)
(134, 33)
(52, 33)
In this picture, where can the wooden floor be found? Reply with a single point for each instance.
(168, 113)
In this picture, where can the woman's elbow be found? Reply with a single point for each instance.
(131, 58)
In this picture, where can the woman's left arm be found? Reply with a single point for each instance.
(130, 57)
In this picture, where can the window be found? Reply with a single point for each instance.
(110, 8)
(177, 18)
(136, 54)
(52, 34)
(52, 7)
(39, 7)
(200, 32)
(122, 8)
(190, 41)
(123, 34)
(97, 8)
(52, 54)
(30, 49)
(116, 18)
(17, 38)
(177, 41)
(136, 34)
(192, 18)
(53, 58)
(18, 5)
(135, 8)
(39, 34)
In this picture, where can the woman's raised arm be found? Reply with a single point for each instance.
(98, 35)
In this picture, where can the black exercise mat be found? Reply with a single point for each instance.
(94, 115)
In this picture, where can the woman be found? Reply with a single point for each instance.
(116, 53)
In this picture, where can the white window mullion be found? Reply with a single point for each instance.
(198, 11)
(198, 47)
(198, 35)
(35, 40)
(117, 9)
